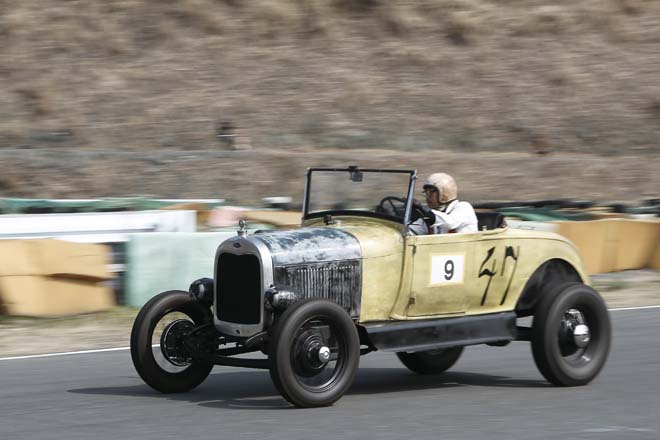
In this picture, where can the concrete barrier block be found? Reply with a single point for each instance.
(156, 262)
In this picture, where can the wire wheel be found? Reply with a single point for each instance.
(158, 348)
(167, 342)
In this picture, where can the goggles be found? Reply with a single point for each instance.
(429, 190)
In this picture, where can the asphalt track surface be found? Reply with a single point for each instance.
(491, 393)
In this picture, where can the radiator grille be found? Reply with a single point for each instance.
(337, 281)
(238, 284)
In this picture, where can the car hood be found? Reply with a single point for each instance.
(377, 239)
(310, 245)
(363, 238)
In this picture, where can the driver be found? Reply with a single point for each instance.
(445, 213)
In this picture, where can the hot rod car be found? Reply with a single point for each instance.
(354, 279)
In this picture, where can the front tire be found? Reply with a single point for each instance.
(167, 318)
(314, 353)
(431, 362)
(571, 335)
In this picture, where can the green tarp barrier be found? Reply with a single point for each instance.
(543, 215)
(160, 261)
(43, 206)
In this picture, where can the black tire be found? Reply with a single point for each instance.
(151, 365)
(309, 383)
(432, 361)
(561, 360)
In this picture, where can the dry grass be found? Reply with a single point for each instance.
(245, 177)
(24, 336)
(145, 74)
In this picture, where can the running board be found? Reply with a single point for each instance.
(412, 336)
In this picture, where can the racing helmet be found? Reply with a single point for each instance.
(445, 184)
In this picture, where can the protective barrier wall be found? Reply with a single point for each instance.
(114, 204)
(54, 278)
(44, 278)
(156, 262)
(615, 244)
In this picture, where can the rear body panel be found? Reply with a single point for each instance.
(473, 274)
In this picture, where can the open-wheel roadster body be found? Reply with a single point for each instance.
(353, 279)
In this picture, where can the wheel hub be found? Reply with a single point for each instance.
(581, 335)
(574, 334)
(172, 345)
(324, 354)
(312, 354)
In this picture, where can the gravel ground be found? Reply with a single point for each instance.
(245, 177)
(23, 336)
(629, 288)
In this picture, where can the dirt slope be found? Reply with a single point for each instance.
(466, 75)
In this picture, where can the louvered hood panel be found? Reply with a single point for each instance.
(318, 263)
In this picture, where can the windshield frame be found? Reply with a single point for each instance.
(306, 215)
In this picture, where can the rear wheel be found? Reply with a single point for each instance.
(314, 353)
(571, 335)
(431, 362)
(158, 350)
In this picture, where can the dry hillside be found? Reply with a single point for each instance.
(154, 77)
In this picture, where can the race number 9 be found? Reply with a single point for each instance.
(447, 269)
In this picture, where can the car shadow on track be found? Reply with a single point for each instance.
(254, 389)
(387, 380)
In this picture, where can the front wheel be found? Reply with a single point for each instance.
(314, 353)
(431, 362)
(158, 349)
(571, 335)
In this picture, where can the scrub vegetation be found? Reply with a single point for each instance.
(468, 75)
(125, 97)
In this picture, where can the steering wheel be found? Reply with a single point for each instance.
(387, 206)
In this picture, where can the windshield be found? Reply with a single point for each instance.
(381, 193)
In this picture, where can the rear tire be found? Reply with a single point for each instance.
(432, 361)
(150, 362)
(565, 354)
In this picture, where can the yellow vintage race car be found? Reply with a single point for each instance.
(355, 278)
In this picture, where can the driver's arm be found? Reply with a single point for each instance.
(450, 221)
(461, 219)
(418, 227)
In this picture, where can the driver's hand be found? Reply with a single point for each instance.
(427, 214)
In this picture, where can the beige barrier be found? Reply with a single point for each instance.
(655, 263)
(53, 278)
(615, 244)
(279, 219)
(228, 216)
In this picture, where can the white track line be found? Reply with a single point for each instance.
(103, 350)
(32, 356)
(634, 308)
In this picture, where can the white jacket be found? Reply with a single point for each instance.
(458, 217)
